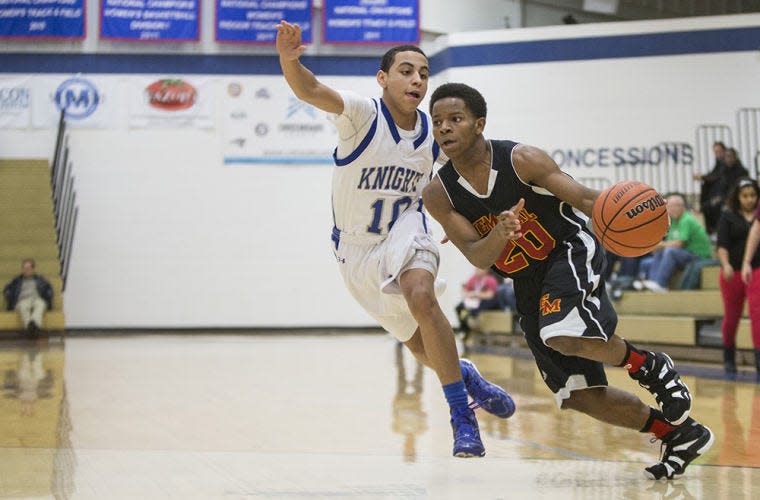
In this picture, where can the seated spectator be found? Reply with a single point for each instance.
(505, 295)
(478, 294)
(30, 295)
(626, 276)
(733, 227)
(685, 242)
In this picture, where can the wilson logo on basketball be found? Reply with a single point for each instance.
(548, 307)
(652, 204)
(171, 94)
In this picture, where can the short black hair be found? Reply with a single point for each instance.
(387, 61)
(732, 202)
(473, 100)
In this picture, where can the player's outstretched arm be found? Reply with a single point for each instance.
(481, 252)
(536, 167)
(302, 81)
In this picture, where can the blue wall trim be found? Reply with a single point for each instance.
(568, 49)
(607, 47)
(290, 160)
(185, 64)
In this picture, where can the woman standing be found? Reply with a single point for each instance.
(733, 227)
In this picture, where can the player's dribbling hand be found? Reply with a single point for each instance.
(509, 221)
(288, 42)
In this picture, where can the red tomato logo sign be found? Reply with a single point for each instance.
(171, 95)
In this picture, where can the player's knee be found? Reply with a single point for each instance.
(420, 299)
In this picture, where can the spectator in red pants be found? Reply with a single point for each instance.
(733, 229)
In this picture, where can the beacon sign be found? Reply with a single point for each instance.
(78, 96)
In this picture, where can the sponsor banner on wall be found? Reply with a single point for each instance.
(150, 20)
(42, 19)
(265, 123)
(373, 22)
(254, 22)
(15, 102)
(89, 101)
(171, 102)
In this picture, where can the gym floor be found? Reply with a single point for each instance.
(326, 416)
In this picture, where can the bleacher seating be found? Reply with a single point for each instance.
(28, 230)
(674, 318)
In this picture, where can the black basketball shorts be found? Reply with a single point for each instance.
(566, 296)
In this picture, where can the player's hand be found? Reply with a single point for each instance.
(509, 221)
(288, 43)
(444, 240)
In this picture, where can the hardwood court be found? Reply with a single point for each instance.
(322, 416)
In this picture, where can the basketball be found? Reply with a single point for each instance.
(630, 218)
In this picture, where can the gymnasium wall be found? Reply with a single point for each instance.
(175, 230)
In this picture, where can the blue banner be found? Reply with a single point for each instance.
(371, 21)
(254, 21)
(150, 20)
(53, 19)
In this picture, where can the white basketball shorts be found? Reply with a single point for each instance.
(371, 271)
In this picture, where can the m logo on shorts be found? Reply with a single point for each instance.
(548, 307)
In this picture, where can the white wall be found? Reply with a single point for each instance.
(168, 236)
(455, 16)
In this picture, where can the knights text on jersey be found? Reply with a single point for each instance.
(382, 177)
(546, 221)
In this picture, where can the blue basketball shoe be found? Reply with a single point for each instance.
(467, 441)
(486, 395)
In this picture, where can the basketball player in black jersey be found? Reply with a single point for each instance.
(508, 206)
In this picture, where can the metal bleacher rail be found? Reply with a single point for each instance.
(748, 137)
(64, 198)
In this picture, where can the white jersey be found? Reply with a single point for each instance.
(380, 170)
(379, 174)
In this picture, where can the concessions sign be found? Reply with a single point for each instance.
(371, 21)
(150, 20)
(254, 21)
(48, 19)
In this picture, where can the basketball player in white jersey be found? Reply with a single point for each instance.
(385, 251)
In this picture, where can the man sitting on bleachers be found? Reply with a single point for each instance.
(30, 295)
(686, 242)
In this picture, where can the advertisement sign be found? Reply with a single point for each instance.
(89, 101)
(15, 102)
(174, 102)
(265, 123)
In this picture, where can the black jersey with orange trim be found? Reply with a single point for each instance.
(546, 221)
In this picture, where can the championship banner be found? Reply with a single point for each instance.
(265, 124)
(90, 102)
(15, 102)
(48, 19)
(150, 20)
(254, 22)
(371, 22)
(170, 103)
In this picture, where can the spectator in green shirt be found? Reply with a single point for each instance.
(685, 242)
